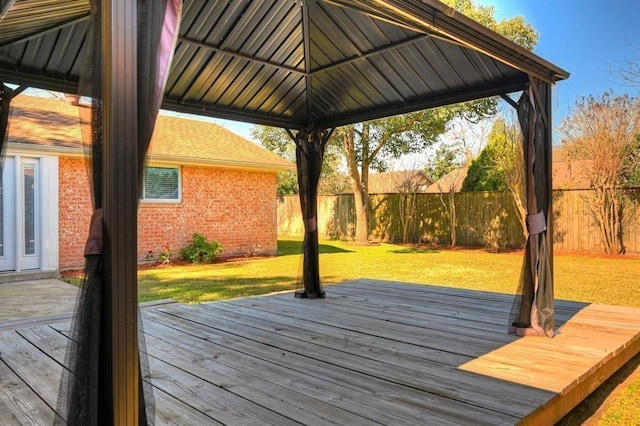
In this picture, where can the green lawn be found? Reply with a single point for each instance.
(582, 278)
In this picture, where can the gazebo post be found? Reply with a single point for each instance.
(533, 311)
(549, 151)
(6, 95)
(310, 145)
(120, 189)
(5, 102)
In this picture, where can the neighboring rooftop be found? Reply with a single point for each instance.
(451, 182)
(395, 182)
(53, 124)
(571, 174)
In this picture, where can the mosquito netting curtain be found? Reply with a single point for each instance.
(533, 310)
(310, 146)
(85, 396)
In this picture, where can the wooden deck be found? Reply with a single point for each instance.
(371, 353)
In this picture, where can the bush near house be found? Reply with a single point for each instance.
(200, 250)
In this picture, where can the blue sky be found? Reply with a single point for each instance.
(585, 37)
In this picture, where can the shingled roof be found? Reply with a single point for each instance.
(53, 125)
(399, 181)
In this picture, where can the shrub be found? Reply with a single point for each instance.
(200, 250)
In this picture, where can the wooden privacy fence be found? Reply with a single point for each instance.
(484, 219)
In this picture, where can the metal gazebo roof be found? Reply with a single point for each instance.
(291, 63)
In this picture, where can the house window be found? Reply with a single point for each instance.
(161, 184)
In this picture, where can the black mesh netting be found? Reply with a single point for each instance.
(6, 95)
(533, 310)
(85, 396)
(310, 146)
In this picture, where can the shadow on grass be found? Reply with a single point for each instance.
(192, 290)
(589, 406)
(206, 289)
(293, 247)
(414, 250)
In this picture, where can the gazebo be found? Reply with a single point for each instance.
(308, 66)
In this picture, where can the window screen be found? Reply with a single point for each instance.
(162, 183)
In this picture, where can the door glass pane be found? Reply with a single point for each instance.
(29, 210)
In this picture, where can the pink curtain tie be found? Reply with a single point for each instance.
(536, 223)
(311, 224)
(94, 241)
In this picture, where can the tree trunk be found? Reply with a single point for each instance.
(359, 180)
(362, 222)
(453, 218)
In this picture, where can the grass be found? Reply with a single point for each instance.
(625, 410)
(611, 281)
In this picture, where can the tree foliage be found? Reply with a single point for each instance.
(515, 29)
(500, 166)
(485, 173)
(445, 160)
(278, 141)
(600, 138)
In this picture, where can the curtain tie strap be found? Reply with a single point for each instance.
(536, 223)
(94, 241)
(312, 224)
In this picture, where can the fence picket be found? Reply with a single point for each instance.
(484, 219)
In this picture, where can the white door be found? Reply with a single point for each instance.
(7, 216)
(29, 215)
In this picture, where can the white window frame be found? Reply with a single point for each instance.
(144, 200)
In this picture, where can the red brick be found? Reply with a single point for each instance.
(234, 207)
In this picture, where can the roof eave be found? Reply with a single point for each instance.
(510, 86)
(25, 148)
(229, 164)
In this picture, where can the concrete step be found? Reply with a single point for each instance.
(11, 277)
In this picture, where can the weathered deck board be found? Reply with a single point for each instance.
(371, 353)
(349, 367)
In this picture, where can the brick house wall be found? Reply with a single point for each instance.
(235, 207)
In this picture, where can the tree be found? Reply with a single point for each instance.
(445, 160)
(509, 158)
(448, 185)
(500, 166)
(600, 137)
(515, 29)
(629, 72)
(484, 173)
(367, 145)
(278, 141)
(373, 143)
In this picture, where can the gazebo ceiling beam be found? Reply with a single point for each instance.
(509, 100)
(306, 35)
(433, 102)
(38, 81)
(371, 53)
(239, 55)
(286, 122)
(42, 31)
